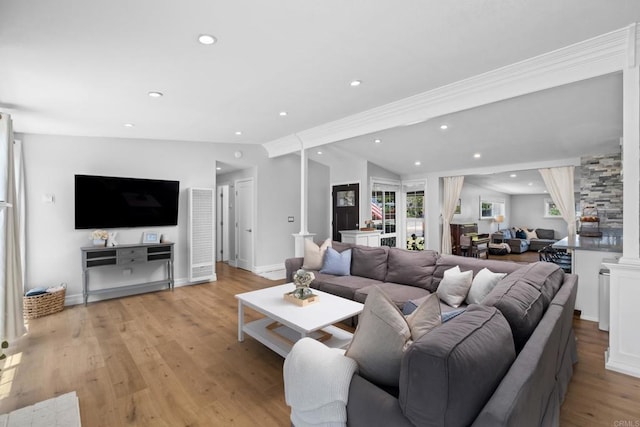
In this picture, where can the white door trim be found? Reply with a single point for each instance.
(247, 264)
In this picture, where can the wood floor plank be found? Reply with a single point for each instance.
(172, 358)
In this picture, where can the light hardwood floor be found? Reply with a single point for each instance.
(173, 359)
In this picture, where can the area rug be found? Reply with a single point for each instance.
(274, 275)
(61, 411)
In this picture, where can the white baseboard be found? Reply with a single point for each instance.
(267, 268)
(76, 299)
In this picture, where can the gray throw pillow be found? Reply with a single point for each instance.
(369, 262)
(413, 268)
(383, 334)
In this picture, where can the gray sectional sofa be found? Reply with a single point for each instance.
(520, 245)
(504, 362)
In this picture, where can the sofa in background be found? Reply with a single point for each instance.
(519, 242)
(506, 361)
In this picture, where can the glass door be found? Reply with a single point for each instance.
(415, 220)
(383, 215)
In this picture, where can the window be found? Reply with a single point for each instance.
(551, 210)
(489, 209)
(415, 220)
(383, 214)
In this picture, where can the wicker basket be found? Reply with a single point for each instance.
(44, 304)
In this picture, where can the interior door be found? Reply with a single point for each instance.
(346, 208)
(244, 224)
(222, 220)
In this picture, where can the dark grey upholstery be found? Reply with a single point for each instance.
(398, 293)
(413, 268)
(535, 302)
(446, 262)
(369, 262)
(524, 296)
(449, 374)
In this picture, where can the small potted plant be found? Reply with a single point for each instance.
(99, 237)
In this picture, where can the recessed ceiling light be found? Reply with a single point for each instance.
(129, 125)
(218, 168)
(355, 83)
(319, 152)
(477, 156)
(283, 113)
(377, 141)
(156, 94)
(238, 132)
(444, 127)
(417, 163)
(513, 175)
(207, 39)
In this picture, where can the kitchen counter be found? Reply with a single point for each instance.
(586, 261)
(606, 243)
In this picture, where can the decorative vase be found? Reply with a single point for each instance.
(98, 242)
(302, 279)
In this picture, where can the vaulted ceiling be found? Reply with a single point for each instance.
(75, 67)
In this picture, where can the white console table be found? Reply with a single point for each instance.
(358, 237)
(124, 256)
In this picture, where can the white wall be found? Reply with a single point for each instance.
(53, 254)
(528, 211)
(470, 208)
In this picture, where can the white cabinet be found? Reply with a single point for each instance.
(365, 238)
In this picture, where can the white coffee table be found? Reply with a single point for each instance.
(286, 322)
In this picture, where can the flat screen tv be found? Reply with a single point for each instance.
(114, 202)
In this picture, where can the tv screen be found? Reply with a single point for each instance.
(113, 202)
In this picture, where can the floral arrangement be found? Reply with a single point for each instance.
(302, 279)
(415, 243)
(99, 235)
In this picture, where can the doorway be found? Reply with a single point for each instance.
(244, 224)
(346, 208)
(223, 224)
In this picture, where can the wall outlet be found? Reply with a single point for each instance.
(290, 219)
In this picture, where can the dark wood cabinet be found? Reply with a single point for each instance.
(465, 240)
(458, 230)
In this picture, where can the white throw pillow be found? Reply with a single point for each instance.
(314, 254)
(482, 284)
(383, 334)
(454, 286)
(530, 234)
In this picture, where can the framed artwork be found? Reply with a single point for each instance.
(551, 210)
(149, 237)
(458, 210)
(346, 198)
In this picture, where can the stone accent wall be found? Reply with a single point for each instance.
(601, 186)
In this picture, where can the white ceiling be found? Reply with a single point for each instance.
(77, 67)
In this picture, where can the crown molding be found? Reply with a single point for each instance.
(601, 55)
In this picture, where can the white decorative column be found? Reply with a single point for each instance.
(304, 232)
(624, 339)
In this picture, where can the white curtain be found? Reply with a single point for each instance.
(559, 182)
(11, 280)
(452, 190)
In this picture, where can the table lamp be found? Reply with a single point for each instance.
(499, 219)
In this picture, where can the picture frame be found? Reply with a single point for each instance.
(150, 237)
(458, 210)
